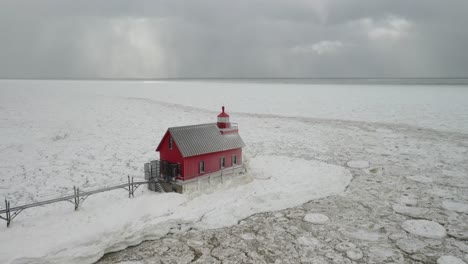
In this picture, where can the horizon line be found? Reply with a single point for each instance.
(233, 78)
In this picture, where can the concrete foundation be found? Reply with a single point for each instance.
(199, 184)
(206, 182)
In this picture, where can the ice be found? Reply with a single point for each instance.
(411, 245)
(419, 178)
(415, 212)
(380, 255)
(57, 134)
(455, 206)
(116, 224)
(354, 254)
(285, 187)
(362, 234)
(459, 231)
(308, 241)
(449, 260)
(248, 236)
(318, 219)
(357, 102)
(406, 199)
(345, 246)
(358, 164)
(424, 228)
(462, 246)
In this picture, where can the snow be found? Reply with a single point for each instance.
(283, 189)
(424, 228)
(318, 219)
(57, 134)
(106, 225)
(449, 260)
(374, 103)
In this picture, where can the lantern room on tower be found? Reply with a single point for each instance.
(223, 120)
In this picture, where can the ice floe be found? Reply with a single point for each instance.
(318, 219)
(424, 228)
(410, 245)
(449, 260)
(358, 164)
(455, 206)
(415, 212)
(419, 178)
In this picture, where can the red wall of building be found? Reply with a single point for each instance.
(190, 167)
(212, 162)
(171, 155)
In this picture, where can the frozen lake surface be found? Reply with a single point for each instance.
(438, 106)
(57, 134)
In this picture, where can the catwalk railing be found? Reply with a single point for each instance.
(9, 213)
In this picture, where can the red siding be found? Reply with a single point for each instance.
(170, 155)
(212, 162)
(190, 167)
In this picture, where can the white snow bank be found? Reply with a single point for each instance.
(424, 228)
(109, 222)
(292, 182)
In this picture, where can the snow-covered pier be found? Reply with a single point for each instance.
(76, 198)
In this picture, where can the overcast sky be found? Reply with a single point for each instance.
(235, 38)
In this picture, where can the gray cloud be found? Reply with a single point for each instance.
(212, 38)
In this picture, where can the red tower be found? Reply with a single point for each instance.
(223, 120)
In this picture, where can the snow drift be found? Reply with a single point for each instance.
(111, 222)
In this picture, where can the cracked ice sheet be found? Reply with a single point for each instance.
(109, 222)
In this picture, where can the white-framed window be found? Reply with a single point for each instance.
(171, 143)
(202, 166)
(223, 162)
(234, 160)
(223, 119)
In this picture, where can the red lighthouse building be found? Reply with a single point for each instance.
(191, 152)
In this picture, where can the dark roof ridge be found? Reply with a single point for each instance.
(192, 126)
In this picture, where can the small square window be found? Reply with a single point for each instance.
(170, 143)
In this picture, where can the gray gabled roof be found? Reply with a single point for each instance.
(202, 139)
